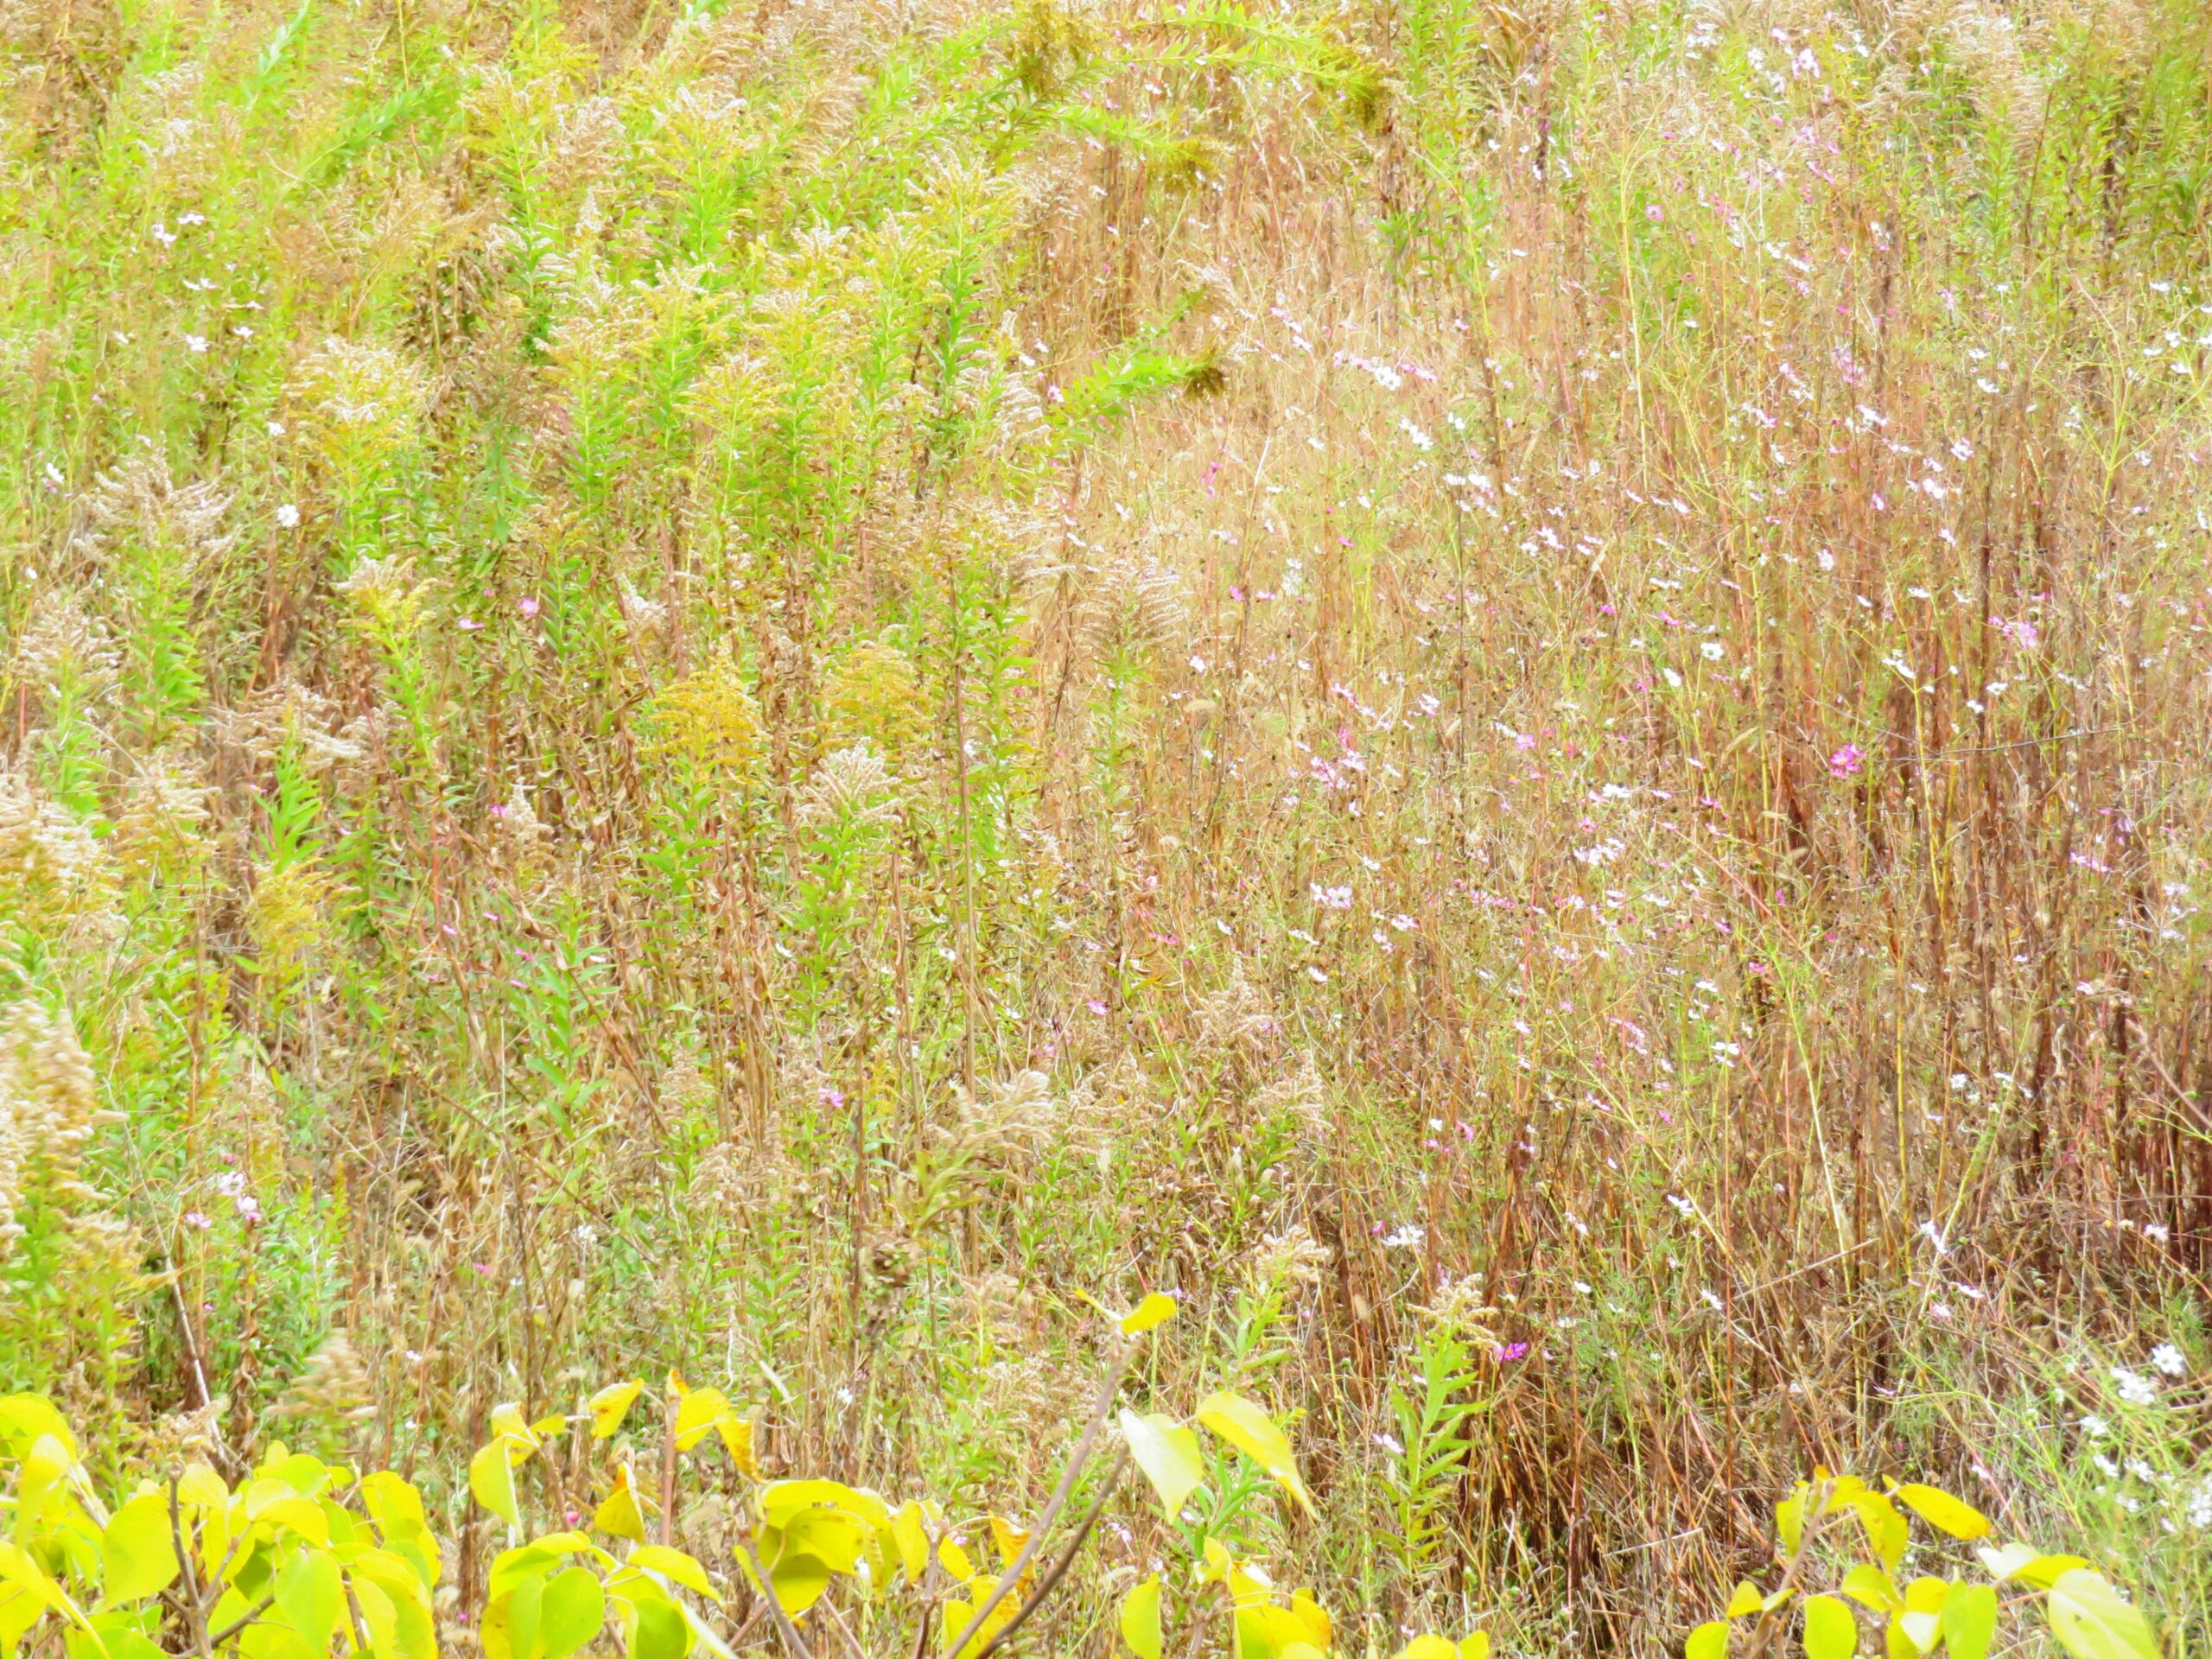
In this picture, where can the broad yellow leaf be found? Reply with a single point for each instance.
(1746, 1600)
(312, 1597)
(1969, 1621)
(1168, 1455)
(508, 1424)
(1831, 1629)
(1250, 1430)
(1870, 1587)
(697, 1415)
(1887, 1532)
(137, 1551)
(618, 1513)
(673, 1565)
(1155, 1309)
(1010, 1539)
(570, 1612)
(2019, 1563)
(1708, 1641)
(1141, 1619)
(492, 1480)
(1790, 1520)
(1475, 1644)
(1948, 1514)
(910, 1539)
(25, 1419)
(2092, 1622)
(610, 1406)
(1429, 1646)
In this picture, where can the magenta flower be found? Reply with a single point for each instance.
(1846, 760)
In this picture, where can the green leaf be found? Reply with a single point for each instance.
(1155, 1309)
(1252, 1432)
(137, 1551)
(1168, 1455)
(312, 1597)
(1708, 1641)
(1831, 1629)
(491, 1478)
(570, 1612)
(2092, 1622)
(1969, 1621)
(1141, 1619)
(1948, 1514)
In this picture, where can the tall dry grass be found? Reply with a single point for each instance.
(1515, 693)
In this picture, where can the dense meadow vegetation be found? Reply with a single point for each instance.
(803, 693)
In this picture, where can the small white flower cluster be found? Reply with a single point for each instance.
(2133, 1387)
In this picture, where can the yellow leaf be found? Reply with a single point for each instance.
(492, 1480)
(2091, 1621)
(1790, 1520)
(1746, 1599)
(1475, 1645)
(1156, 1309)
(1011, 1540)
(27, 1418)
(1141, 1619)
(1870, 1587)
(955, 1562)
(1939, 1510)
(137, 1551)
(1168, 1455)
(673, 1565)
(1708, 1641)
(201, 1487)
(1429, 1646)
(617, 1512)
(1250, 1430)
(912, 1542)
(737, 1440)
(697, 1415)
(507, 1424)
(1831, 1629)
(2024, 1564)
(610, 1406)
(1886, 1530)
(1969, 1621)
(572, 1610)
